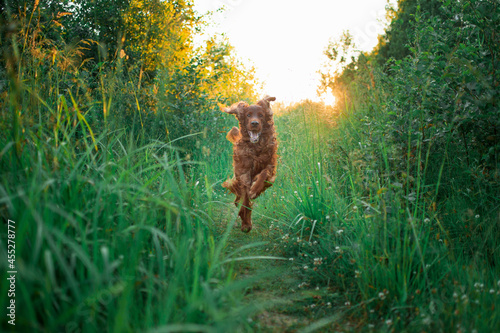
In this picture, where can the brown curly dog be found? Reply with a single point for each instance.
(254, 155)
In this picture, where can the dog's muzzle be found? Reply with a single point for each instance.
(254, 136)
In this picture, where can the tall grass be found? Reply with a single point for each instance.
(111, 240)
(112, 228)
(375, 235)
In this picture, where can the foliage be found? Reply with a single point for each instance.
(410, 237)
(400, 34)
(97, 176)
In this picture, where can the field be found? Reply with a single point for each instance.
(384, 216)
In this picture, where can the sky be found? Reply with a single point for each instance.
(285, 39)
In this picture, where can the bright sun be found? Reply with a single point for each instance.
(328, 99)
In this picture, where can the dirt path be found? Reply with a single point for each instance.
(273, 284)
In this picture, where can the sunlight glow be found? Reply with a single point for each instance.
(285, 39)
(328, 99)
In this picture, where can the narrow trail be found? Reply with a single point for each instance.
(273, 284)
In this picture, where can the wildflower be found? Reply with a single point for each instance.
(388, 322)
(347, 303)
(313, 306)
(306, 267)
(291, 259)
(311, 196)
(381, 295)
(357, 274)
(355, 208)
(329, 304)
(426, 220)
(340, 231)
(328, 217)
(492, 291)
(477, 216)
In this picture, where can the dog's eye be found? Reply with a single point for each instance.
(261, 115)
(249, 115)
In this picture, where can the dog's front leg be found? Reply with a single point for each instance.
(262, 181)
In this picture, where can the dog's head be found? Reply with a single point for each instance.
(253, 118)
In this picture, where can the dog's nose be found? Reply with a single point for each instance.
(254, 123)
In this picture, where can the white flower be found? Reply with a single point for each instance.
(340, 231)
(477, 216)
(381, 295)
(347, 303)
(328, 217)
(426, 220)
(291, 259)
(306, 267)
(388, 322)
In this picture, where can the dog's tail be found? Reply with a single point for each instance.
(233, 135)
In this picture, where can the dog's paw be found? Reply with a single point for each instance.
(255, 190)
(252, 195)
(228, 184)
(246, 228)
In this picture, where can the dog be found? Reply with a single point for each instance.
(254, 155)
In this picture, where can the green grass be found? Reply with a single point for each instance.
(117, 230)
(387, 256)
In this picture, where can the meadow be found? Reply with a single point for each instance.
(384, 216)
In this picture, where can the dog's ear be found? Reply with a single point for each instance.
(236, 108)
(266, 103)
